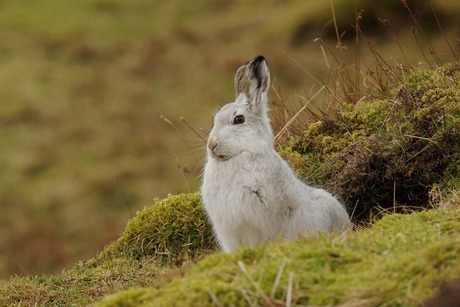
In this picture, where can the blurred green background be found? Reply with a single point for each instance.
(92, 92)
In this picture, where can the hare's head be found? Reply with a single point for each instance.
(244, 125)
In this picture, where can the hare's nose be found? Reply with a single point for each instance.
(212, 143)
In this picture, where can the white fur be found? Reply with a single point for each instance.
(250, 193)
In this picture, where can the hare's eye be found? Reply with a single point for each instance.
(239, 119)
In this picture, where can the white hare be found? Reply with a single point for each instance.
(250, 193)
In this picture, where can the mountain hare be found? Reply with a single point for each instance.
(249, 192)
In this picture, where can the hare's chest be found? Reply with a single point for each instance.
(245, 201)
(234, 177)
(242, 186)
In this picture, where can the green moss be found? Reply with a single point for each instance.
(172, 230)
(388, 153)
(132, 298)
(398, 261)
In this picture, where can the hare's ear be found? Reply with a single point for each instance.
(253, 80)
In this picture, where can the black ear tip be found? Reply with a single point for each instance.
(259, 59)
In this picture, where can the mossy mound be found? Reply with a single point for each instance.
(172, 230)
(400, 260)
(388, 153)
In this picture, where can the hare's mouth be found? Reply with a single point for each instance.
(223, 158)
(220, 156)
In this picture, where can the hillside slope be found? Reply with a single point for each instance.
(401, 259)
(84, 85)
